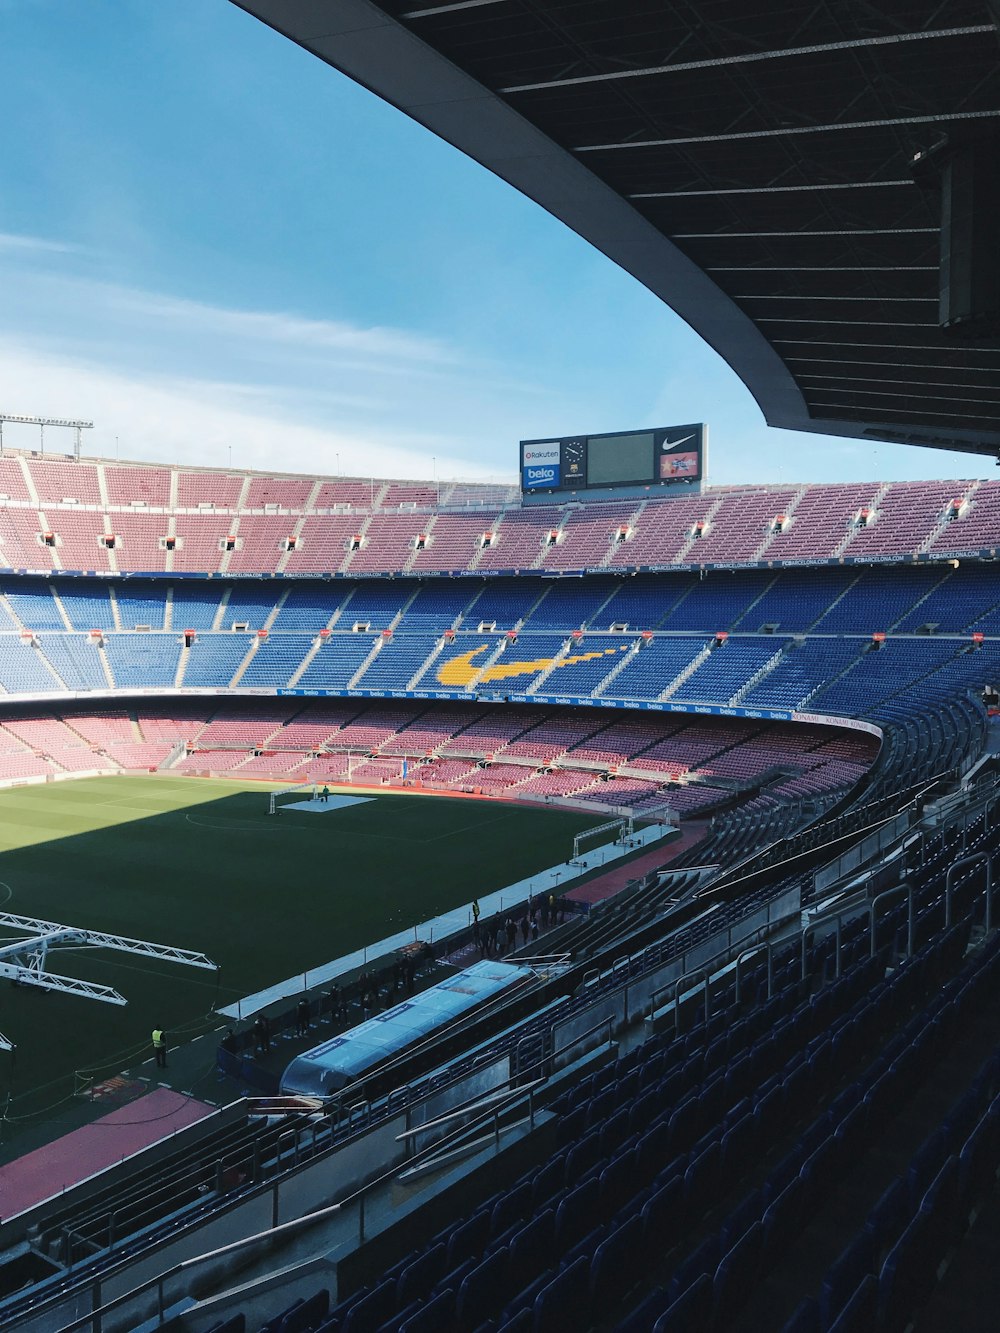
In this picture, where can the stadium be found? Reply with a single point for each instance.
(568, 903)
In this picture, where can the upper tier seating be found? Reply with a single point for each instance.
(174, 519)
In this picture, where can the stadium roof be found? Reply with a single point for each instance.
(752, 162)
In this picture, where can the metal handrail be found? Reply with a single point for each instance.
(95, 1317)
(907, 888)
(706, 973)
(749, 953)
(464, 1110)
(808, 929)
(607, 1022)
(350, 1114)
(974, 859)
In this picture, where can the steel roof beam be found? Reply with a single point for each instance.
(856, 391)
(789, 131)
(746, 58)
(889, 347)
(886, 365)
(771, 189)
(453, 8)
(802, 235)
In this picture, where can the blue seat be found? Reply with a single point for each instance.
(576, 1214)
(483, 1290)
(781, 1175)
(417, 1278)
(702, 1261)
(614, 1131)
(585, 1247)
(978, 1161)
(600, 1108)
(691, 1312)
(437, 1314)
(782, 1219)
(737, 1147)
(643, 1316)
(469, 1240)
(308, 1315)
(941, 1205)
(845, 1275)
(925, 1164)
(701, 1180)
(820, 1168)
(512, 1206)
(372, 1310)
(547, 1181)
(571, 1125)
(740, 1220)
(652, 1150)
(562, 1303)
(736, 1276)
(522, 1322)
(617, 1184)
(888, 1216)
(804, 1318)
(663, 1219)
(860, 1314)
(616, 1265)
(684, 1124)
(906, 1275)
(583, 1156)
(533, 1247)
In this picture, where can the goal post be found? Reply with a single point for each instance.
(297, 793)
(622, 828)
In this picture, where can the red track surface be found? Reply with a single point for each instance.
(607, 885)
(47, 1171)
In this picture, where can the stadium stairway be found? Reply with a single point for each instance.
(582, 1242)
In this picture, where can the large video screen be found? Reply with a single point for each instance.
(614, 459)
(666, 456)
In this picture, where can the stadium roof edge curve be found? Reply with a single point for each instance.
(767, 197)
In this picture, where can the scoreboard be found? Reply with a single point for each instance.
(669, 456)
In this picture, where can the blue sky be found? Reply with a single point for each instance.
(210, 241)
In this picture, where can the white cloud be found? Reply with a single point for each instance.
(180, 380)
(21, 245)
(204, 423)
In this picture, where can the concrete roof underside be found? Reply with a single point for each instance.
(749, 161)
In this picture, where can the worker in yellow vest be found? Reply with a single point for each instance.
(160, 1047)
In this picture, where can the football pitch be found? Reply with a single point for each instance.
(201, 866)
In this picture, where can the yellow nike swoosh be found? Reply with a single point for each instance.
(459, 671)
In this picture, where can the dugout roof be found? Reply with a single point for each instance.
(750, 161)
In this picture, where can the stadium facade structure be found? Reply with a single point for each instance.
(797, 661)
(868, 607)
(810, 187)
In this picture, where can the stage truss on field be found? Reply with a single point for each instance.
(25, 960)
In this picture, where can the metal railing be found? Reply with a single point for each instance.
(94, 1319)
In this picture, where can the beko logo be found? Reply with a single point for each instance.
(540, 474)
(546, 453)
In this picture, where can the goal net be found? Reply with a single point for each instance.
(622, 828)
(303, 791)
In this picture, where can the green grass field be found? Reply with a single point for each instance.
(200, 865)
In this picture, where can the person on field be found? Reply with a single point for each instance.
(262, 1034)
(324, 795)
(160, 1047)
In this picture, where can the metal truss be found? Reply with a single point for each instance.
(25, 960)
